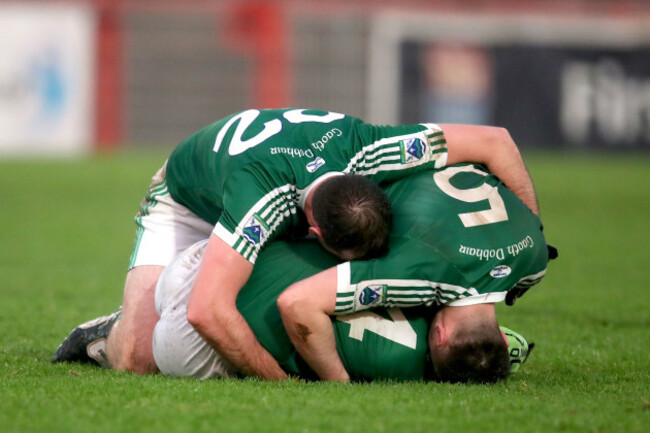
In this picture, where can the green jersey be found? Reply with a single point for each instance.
(249, 173)
(458, 234)
(377, 344)
(460, 237)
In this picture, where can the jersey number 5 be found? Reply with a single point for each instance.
(497, 211)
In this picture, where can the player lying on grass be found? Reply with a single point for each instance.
(460, 240)
(251, 177)
(374, 344)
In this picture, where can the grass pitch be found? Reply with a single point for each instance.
(66, 233)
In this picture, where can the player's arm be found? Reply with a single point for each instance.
(213, 312)
(305, 308)
(493, 147)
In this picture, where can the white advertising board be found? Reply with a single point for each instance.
(46, 79)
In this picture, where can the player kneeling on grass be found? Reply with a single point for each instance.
(248, 179)
(460, 240)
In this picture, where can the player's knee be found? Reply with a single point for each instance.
(133, 353)
(137, 359)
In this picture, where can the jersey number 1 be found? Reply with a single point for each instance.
(398, 330)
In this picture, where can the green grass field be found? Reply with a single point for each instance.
(65, 236)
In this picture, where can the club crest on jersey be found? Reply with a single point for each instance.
(256, 230)
(500, 271)
(372, 294)
(412, 150)
(315, 164)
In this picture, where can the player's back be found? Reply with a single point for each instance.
(269, 147)
(372, 345)
(459, 226)
(256, 151)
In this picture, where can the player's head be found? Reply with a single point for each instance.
(473, 352)
(353, 216)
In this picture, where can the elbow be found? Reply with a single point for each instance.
(501, 132)
(210, 312)
(287, 302)
(498, 147)
(197, 316)
(493, 135)
(214, 326)
(499, 136)
(292, 305)
(194, 315)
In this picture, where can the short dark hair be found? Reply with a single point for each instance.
(475, 354)
(354, 214)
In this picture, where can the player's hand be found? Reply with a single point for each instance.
(517, 292)
(514, 294)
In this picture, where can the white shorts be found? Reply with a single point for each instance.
(177, 348)
(165, 227)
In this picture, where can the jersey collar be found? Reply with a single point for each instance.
(304, 193)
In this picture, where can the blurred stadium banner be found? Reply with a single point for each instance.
(46, 78)
(551, 80)
(104, 73)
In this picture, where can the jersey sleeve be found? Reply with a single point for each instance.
(459, 237)
(406, 277)
(415, 274)
(256, 210)
(391, 153)
(356, 292)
